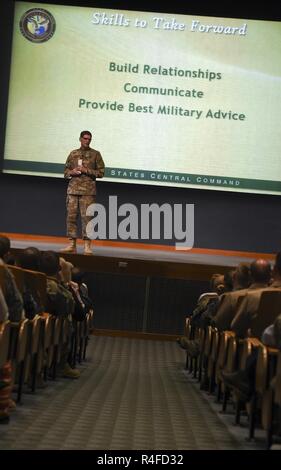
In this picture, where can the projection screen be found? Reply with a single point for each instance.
(171, 99)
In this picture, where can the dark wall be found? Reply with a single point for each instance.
(223, 220)
(120, 308)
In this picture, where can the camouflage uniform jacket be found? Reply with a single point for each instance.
(84, 184)
(59, 300)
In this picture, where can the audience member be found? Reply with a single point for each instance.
(206, 302)
(4, 312)
(79, 312)
(244, 380)
(11, 293)
(78, 276)
(248, 310)
(60, 301)
(14, 304)
(30, 259)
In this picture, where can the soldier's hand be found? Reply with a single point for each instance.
(82, 169)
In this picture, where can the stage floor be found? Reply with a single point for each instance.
(139, 251)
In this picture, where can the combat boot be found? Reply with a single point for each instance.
(71, 248)
(87, 248)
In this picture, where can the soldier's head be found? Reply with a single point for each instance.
(241, 276)
(30, 258)
(217, 283)
(228, 280)
(50, 263)
(85, 139)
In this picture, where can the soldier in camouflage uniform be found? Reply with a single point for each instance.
(59, 300)
(82, 167)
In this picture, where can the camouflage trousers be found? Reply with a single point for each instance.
(74, 205)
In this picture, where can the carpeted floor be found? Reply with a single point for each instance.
(132, 394)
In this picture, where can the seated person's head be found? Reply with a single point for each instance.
(5, 246)
(260, 271)
(228, 280)
(30, 258)
(241, 276)
(277, 265)
(217, 283)
(277, 331)
(9, 258)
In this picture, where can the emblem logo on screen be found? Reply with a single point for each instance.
(37, 25)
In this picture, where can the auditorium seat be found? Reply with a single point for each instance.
(221, 359)
(19, 354)
(269, 308)
(5, 329)
(268, 415)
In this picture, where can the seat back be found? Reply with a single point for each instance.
(187, 326)
(212, 359)
(277, 388)
(247, 346)
(2, 278)
(49, 324)
(91, 323)
(22, 340)
(18, 274)
(232, 353)
(240, 300)
(49, 333)
(224, 342)
(65, 331)
(34, 358)
(36, 336)
(215, 344)
(57, 330)
(200, 335)
(208, 341)
(37, 284)
(222, 353)
(87, 324)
